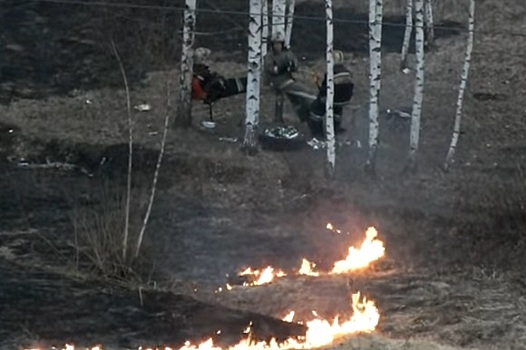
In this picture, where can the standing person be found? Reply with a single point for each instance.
(343, 92)
(279, 64)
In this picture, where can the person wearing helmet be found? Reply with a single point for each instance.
(279, 64)
(343, 92)
(206, 85)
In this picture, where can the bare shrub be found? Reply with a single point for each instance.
(99, 234)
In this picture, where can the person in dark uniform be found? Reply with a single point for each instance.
(343, 92)
(206, 85)
(279, 64)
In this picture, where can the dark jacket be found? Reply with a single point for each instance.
(203, 73)
(343, 85)
(278, 68)
(211, 83)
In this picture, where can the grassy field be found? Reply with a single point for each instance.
(453, 275)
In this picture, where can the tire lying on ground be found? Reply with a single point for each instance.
(280, 138)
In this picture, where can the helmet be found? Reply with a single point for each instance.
(338, 56)
(201, 54)
(277, 37)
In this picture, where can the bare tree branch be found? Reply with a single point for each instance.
(130, 151)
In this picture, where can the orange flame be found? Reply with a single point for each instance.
(307, 268)
(289, 317)
(370, 250)
(320, 332)
(263, 277)
(330, 227)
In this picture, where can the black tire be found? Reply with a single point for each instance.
(279, 144)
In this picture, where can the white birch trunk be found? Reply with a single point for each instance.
(430, 27)
(289, 22)
(419, 84)
(329, 103)
(375, 62)
(253, 77)
(184, 110)
(264, 28)
(407, 34)
(278, 16)
(378, 44)
(462, 88)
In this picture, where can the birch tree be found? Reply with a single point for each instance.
(462, 88)
(264, 28)
(278, 16)
(407, 34)
(329, 103)
(289, 21)
(419, 85)
(430, 27)
(253, 77)
(375, 69)
(184, 110)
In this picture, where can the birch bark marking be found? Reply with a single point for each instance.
(407, 34)
(289, 21)
(375, 58)
(184, 108)
(419, 85)
(278, 16)
(264, 28)
(430, 26)
(462, 88)
(253, 78)
(378, 44)
(329, 103)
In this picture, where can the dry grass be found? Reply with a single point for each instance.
(99, 234)
(467, 310)
(378, 342)
(492, 219)
(478, 307)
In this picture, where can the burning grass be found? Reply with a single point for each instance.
(320, 332)
(370, 250)
(364, 314)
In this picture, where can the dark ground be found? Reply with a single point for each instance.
(455, 248)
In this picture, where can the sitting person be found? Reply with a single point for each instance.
(343, 92)
(206, 85)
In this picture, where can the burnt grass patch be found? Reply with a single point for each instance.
(453, 241)
(41, 308)
(484, 234)
(415, 238)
